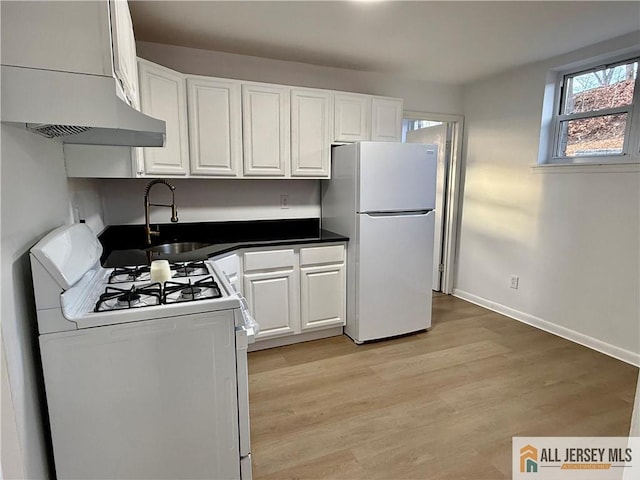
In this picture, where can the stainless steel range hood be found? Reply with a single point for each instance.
(78, 108)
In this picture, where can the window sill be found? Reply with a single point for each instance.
(586, 168)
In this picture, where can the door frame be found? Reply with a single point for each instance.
(452, 194)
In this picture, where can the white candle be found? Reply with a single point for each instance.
(160, 271)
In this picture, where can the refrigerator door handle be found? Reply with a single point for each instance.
(401, 213)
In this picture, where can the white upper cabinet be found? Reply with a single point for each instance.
(311, 120)
(352, 117)
(366, 117)
(215, 130)
(124, 51)
(386, 119)
(94, 38)
(65, 36)
(163, 96)
(265, 130)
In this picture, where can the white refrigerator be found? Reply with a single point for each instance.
(382, 196)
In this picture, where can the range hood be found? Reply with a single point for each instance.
(78, 108)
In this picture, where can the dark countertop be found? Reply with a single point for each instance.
(124, 245)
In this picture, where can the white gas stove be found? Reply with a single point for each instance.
(127, 358)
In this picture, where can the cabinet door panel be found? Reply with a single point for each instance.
(386, 119)
(352, 117)
(124, 50)
(322, 296)
(265, 130)
(163, 96)
(311, 118)
(215, 137)
(271, 299)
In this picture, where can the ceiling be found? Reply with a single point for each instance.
(452, 42)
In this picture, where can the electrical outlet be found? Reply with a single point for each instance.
(284, 201)
(514, 281)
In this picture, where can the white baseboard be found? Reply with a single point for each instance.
(296, 338)
(577, 337)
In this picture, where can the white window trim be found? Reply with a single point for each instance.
(550, 133)
(607, 167)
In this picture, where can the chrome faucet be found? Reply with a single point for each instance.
(147, 204)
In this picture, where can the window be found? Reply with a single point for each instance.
(596, 117)
(409, 125)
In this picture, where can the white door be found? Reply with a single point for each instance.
(396, 177)
(266, 130)
(311, 120)
(352, 122)
(124, 50)
(272, 302)
(145, 400)
(215, 127)
(322, 296)
(386, 119)
(436, 135)
(394, 275)
(163, 95)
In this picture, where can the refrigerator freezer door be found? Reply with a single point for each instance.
(397, 177)
(394, 275)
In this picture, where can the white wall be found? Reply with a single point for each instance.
(418, 95)
(572, 238)
(210, 200)
(86, 202)
(34, 201)
(11, 465)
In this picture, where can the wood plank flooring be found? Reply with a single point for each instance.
(437, 405)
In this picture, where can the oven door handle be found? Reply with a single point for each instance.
(242, 372)
(250, 326)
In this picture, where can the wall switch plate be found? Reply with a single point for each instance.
(284, 201)
(514, 281)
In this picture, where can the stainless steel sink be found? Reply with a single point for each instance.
(176, 248)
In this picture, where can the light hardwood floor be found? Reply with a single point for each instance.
(437, 405)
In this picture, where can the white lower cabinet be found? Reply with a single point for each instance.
(291, 291)
(270, 287)
(272, 298)
(322, 287)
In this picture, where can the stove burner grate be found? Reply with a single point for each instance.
(191, 293)
(142, 273)
(188, 269)
(205, 288)
(115, 298)
(129, 299)
(127, 274)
